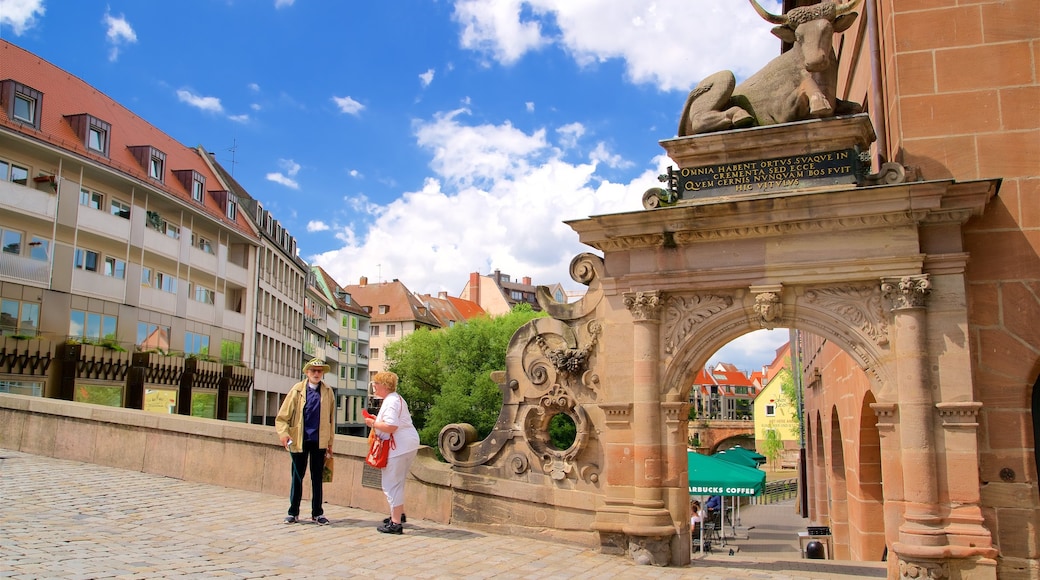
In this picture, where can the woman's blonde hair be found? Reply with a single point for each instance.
(386, 378)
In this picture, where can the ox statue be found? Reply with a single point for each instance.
(799, 84)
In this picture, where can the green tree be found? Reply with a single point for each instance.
(445, 375)
(773, 447)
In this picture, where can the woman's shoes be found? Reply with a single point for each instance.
(404, 519)
(391, 528)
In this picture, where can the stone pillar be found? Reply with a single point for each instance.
(648, 516)
(922, 524)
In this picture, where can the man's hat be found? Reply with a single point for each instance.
(316, 362)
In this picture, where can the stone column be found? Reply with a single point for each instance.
(648, 516)
(922, 530)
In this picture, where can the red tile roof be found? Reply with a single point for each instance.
(65, 94)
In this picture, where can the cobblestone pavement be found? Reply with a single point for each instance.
(65, 519)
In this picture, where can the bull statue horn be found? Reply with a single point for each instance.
(771, 18)
(846, 8)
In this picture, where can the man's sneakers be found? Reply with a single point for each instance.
(404, 519)
(291, 519)
(321, 520)
(391, 528)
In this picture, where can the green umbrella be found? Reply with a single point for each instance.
(713, 476)
(737, 458)
(757, 457)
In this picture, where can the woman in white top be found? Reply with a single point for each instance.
(394, 419)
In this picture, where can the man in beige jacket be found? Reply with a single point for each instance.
(306, 426)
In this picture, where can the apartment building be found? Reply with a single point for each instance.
(117, 241)
(278, 337)
(348, 340)
(723, 392)
(395, 313)
(497, 294)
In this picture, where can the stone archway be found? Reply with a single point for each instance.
(853, 264)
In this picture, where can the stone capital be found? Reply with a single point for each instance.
(906, 292)
(645, 305)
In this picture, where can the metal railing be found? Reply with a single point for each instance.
(776, 491)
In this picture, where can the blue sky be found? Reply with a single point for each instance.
(413, 139)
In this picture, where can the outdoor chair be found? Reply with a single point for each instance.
(712, 528)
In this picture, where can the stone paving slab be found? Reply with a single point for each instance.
(65, 519)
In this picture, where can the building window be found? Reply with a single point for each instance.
(375, 330)
(196, 344)
(230, 351)
(11, 241)
(171, 230)
(153, 337)
(146, 276)
(14, 173)
(197, 189)
(115, 268)
(40, 249)
(391, 330)
(203, 294)
(353, 323)
(92, 326)
(166, 282)
(353, 373)
(384, 309)
(19, 318)
(30, 388)
(202, 243)
(232, 206)
(155, 167)
(25, 106)
(120, 209)
(353, 348)
(91, 199)
(97, 135)
(374, 352)
(85, 260)
(770, 410)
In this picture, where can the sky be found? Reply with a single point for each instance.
(418, 140)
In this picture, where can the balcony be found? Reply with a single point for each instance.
(162, 244)
(26, 200)
(22, 269)
(103, 224)
(237, 274)
(99, 286)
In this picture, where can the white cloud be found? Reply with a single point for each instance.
(239, 118)
(283, 3)
(496, 28)
(570, 133)
(118, 34)
(211, 104)
(317, 226)
(529, 106)
(752, 351)
(671, 44)
(602, 154)
(20, 15)
(281, 179)
(426, 78)
(348, 105)
(253, 87)
(285, 177)
(464, 155)
(498, 201)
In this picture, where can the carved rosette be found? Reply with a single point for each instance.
(860, 306)
(682, 314)
(923, 570)
(645, 305)
(906, 292)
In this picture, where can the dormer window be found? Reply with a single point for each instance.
(151, 159)
(22, 103)
(384, 308)
(93, 132)
(231, 211)
(194, 182)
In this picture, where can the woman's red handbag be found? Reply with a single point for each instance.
(379, 450)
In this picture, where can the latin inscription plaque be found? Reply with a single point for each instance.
(767, 175)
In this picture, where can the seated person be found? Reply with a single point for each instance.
(696, 515)
(714, 504)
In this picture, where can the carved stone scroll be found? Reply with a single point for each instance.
(907, 292)
(683, 313)
(860, 306)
